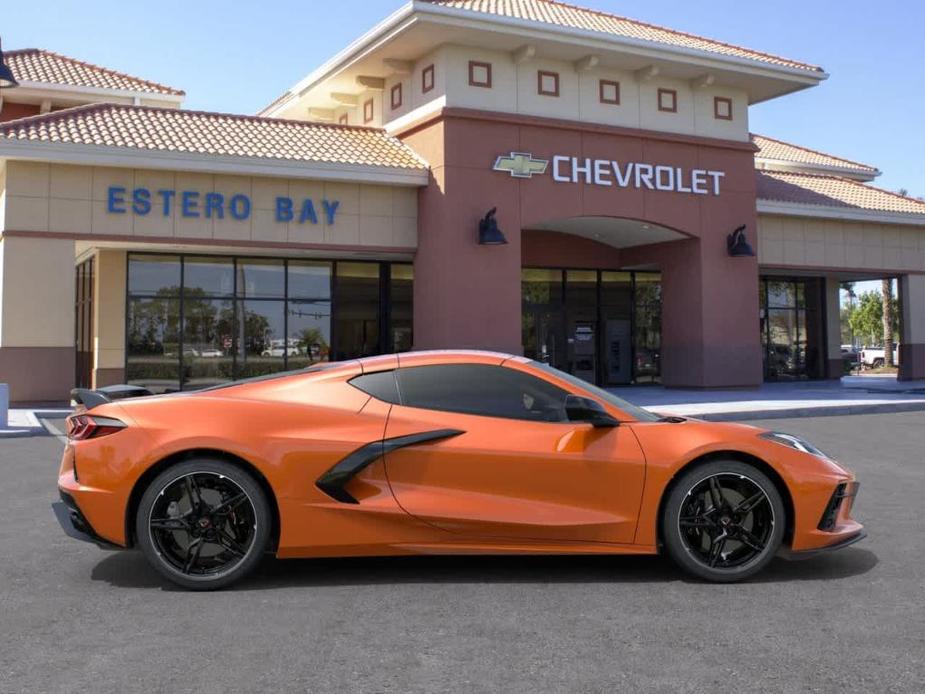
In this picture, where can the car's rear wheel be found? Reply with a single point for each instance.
(877, 363)
(203, 523)
(723, 521)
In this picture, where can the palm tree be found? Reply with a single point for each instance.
(887, 291)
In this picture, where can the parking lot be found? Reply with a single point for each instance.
(79, 619)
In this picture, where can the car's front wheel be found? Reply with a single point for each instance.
(203, 523)
(723, 521)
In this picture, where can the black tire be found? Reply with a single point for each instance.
(877, 363)
(729, 541)
(211, 542)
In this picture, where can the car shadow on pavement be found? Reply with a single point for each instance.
(130, 570)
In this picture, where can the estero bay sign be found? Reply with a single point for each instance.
(193, 203)
(607, 172)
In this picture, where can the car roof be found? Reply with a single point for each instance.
(433, 356)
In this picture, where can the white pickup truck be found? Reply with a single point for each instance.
(873, 357)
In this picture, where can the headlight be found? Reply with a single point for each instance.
(794, 442)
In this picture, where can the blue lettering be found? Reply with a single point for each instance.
(214, 203)
(283, 209)
(190, 203)
(166, 196)
(308, 212)
(141, 201)
(330, 208)
(115, 200)
(240, 206)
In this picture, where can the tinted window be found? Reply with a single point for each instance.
(628, 407)
(481, 389)
(381, 385)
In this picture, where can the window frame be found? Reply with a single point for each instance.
(289, 298)
(602, 84)
(516, 373)
(673, 93)
(717, 100)
(475, 83)
(540, 75)
(428, 79)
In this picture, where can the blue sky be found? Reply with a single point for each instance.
(237, 56)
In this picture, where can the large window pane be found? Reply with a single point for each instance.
(648, 328)
(581, 287)
(309, 332)
(153, 344)
(309, 279)
(208, 332)
(261, 279)
(539, 286)
(781, 294)
(401, 309)
(356, 331)
(481, 389)
(208, 276)
(262, 347)
(617, 291)
(153, 275)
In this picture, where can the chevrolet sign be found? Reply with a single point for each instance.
(607, 173)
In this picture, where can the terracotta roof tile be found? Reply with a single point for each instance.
(37, 65)
(176, 130)
(566, 15)
(770, 148)
(832, 191)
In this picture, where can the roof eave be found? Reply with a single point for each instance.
(363, 44)
(815, 75)
(792, 209)
(788, 166)
(416, 9)
(25, 85)
(129, 157)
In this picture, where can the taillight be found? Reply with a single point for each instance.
(88, 426)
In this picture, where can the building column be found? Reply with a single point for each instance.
(710, 324)
(109, 318)
(912, 341)
(37, 318)
(466, 296)
(834, 364)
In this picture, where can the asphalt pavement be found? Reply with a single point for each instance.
(77, 619)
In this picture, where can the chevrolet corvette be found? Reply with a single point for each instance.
(453, 452)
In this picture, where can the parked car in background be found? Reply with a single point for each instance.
(279, 348)
(874, 357)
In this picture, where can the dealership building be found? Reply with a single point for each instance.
(640, 233)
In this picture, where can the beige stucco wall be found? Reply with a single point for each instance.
(109, 309)
(36, 292)
(514, 90)
(836, 244)
(912, 293)
(72, 199)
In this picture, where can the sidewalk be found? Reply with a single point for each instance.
(850, 395)
(25, 422)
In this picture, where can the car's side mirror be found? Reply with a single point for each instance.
(579, 409)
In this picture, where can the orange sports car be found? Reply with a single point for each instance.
(437, 453)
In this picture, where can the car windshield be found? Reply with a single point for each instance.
(632, 410)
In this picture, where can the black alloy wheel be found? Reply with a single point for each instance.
(203, 524)
(723, 521)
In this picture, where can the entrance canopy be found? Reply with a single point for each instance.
(617, 232)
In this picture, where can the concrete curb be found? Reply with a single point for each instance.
(802, 412)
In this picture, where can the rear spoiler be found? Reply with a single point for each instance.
(91, 398)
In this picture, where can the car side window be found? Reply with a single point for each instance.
(380, 384)
(482, 389)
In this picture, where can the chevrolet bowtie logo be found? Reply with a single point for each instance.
(521, 165)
